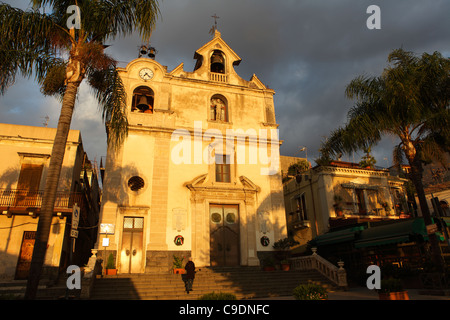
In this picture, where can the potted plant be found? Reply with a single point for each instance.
(338, 205)
(178, 265)
(110, 266)
(268, 264)
(283, 246)
(285, 265)
(392, 289)
(310, 291)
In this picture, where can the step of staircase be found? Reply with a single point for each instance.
(244, 282)
(15, 289)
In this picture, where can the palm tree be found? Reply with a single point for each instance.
(61, 58)
(410, 100)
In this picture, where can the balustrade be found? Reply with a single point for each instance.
(326, 268)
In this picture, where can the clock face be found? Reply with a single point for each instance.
(146, 74)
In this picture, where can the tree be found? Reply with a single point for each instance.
(298, 167)
(61, 58)
(367, 161)
(410, 100)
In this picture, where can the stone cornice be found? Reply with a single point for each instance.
(352, 171)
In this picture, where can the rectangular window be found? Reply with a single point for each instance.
(222, 168)
(301, 208)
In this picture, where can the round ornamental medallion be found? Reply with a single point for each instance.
(179, 240)
(231, 218)
(265, 241)
(216, 217)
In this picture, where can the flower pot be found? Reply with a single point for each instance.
(179, 271)
(110, 272)
(269, 268)
(401, 295)
(285, 266)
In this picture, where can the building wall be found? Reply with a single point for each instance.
(33, 145)
(179, 185)
(319, 186)
(11, 233)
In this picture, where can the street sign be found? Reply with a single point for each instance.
(74, 233)
(75, 216)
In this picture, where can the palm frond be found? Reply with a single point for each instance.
(398, 156)
(111, 95)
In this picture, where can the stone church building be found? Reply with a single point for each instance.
(198, 174)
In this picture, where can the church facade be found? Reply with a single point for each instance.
(198, 174)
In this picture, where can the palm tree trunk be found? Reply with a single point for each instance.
(51, 186)
(416, 178)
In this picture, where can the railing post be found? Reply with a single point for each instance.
(342, 275)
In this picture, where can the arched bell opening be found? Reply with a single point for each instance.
(143, 98)
(217, 62)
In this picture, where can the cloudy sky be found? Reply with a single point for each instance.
(306, 50)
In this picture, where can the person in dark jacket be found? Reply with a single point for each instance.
(190, 275)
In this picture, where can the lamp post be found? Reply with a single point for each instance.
(303, 149)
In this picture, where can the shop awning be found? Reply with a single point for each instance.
(446, 220)
(337, 236)
(397, 232)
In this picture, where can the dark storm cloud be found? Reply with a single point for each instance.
(307, 51)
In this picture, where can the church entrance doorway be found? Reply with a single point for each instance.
(132, 239)
(224, 235)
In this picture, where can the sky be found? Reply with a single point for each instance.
(306, 50)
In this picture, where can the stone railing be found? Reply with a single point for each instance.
(315, 262)
(218, 77)
(93, 268)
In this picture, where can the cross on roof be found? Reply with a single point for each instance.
(215, 20)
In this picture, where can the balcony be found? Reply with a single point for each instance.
(217, 77)
(22, 201)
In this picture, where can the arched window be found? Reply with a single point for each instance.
(218, 108)
(143, 98)
(217, 62)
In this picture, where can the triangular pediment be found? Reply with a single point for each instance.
(201, 182)
(217, 43)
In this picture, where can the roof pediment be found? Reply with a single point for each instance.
(217, 43)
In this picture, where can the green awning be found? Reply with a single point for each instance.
(337, 236)
(446, 220)
(396, 232)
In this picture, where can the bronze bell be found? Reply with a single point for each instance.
(143, 104)
(217, 58)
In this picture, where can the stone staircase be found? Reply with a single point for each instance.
(16, 290)
(244, 282)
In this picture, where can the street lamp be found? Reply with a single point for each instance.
(306, 151)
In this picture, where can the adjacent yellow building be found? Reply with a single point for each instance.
(199, 173)
(26, 152)
(341, 194)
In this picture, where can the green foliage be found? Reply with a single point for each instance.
(324, 157)
(110, 264)
(284, 244)
(410, 100)
(177, 262)
(310, 291)
(218, 296)
(268, 261)
(299, 167)
(367, 161)
(391, 285)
